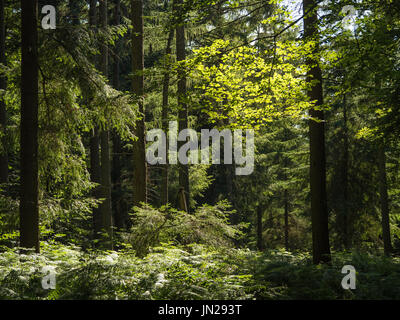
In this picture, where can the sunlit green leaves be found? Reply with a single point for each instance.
(250, 88)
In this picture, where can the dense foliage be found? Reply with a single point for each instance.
(193, 272)
(322, 97)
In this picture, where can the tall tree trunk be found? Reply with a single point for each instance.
(3, 112)
(116, 172)
(260, 246)
(182, 105)
(119, 218)
(106, 211)
(74, 12)
(93, 13)
(345, 219)
(95, 169)
(319, 211)
(286, 208)
(105, 176)
(384, 200)
(116, 65)
(139, 162)
(95, 177)
(29, 208)
(230, 193)
(94, 145)
(164, 116)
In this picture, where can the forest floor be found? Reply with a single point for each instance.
(192, 272)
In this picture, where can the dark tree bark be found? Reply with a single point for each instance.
(29, 208)
(286, 208)
(182, 204)
(116, 172)
(74, 10)
(116, 64)
(94, 145)
(182, 105)
(384, 200)
(164, 116)
(345, 219)
(3, 112)
(93, 13)
(319, 211)
(260, 246)
(95, 177)
(119, 218)
(106, 211)
(229, 173)
(139, 161)
(105, 176)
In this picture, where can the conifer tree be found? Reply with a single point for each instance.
(182, 105)
(139, 161)
(3, 111)
(319, 210)
(29, 207)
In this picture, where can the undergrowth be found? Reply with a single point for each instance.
(192, 272)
